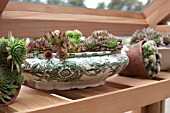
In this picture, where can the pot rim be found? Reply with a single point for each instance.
(72, 55)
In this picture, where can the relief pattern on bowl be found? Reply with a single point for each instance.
(82, 68)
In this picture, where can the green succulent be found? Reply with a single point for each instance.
(13, 54)
(151, 58)
(101, 40)
(147, 34)
(77, 34)
(70, 34)
(17, 52)
(3, 44)
(113, 44)
(166, 39)
(72, 41)
(74, 36)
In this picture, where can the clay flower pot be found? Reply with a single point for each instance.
(144, 60)
(12, 100)
(136, 65)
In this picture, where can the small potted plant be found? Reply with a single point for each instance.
(12, 56)
(68, 60)
(161, 39)
(144, 60)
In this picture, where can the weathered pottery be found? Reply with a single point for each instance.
(165, 58)
(143, 62)
(79, 70)
(136, 66)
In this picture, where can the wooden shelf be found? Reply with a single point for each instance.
(119, 94)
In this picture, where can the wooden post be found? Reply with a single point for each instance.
(152, 108)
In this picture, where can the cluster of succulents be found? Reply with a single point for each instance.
(161, 39)
(166, 39)
(148, 34)
(12, 55)
(151, 58)
(72, 42)
(103, 41)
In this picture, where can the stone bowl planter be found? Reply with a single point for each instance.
(79, 70)
(165, 58)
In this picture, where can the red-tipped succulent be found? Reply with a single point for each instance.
(71, 42)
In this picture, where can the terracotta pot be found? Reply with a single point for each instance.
(12, 100)
(136, 64)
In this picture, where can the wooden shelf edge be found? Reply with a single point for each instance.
(134, 96)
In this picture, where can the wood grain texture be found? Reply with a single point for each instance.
(153, 108)
(30, 99)
(34, 24)
(163, 28)
(19, 6)
(120, 100)
(153, 7)
(3, 4)
(160, 14)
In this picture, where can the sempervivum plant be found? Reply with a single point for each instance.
(166, 39)
(103, 41)
(151, 58)
(148, 34)
(38, 46)
(71, 42)
(12, 55)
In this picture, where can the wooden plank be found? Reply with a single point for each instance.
(153, 7)
(19, 6)
(163, 28)
(33, 24)
(130, 81)
(3, 4)
(117, 101)
(69, 17)
(29, 99)
(83, 93)
(159, 14)
(36, 28)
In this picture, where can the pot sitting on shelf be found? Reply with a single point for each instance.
(12, 55)
(165, 52)
(144, 60)
(79, 70)
(162, 41)
(77, 63)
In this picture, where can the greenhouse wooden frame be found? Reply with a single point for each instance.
(120, 94)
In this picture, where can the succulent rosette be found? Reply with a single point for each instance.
(166, 39)
(151, 58)
(12, 56)
(101, 40)
(161, 39)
